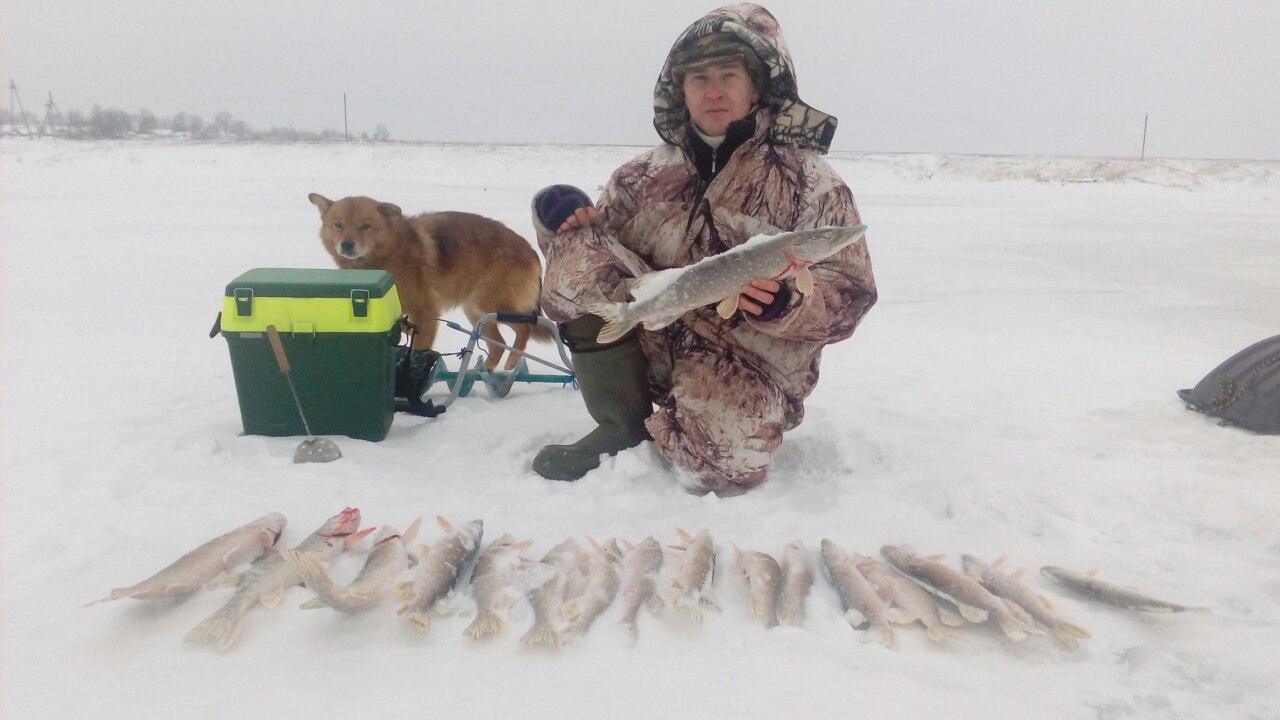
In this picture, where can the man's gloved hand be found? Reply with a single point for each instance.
(562, 207)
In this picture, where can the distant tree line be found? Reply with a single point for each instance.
(109, 123)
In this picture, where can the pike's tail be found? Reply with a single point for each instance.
(417, 618)
(486, 623)
(1015, 629)
(541, 635)
(115, 595)
(312, 571)
(616, 321)
(223, 627)
(1067, 633)
(791, 610)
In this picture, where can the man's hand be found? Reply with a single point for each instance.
(755, 297)
(580, 218)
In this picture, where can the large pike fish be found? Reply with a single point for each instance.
(862, 606)
(604, 572)
(696, 575)
(266, 580)
(439, 567)
(797, 579)
(1089, 586)
(662, 296)
(640, 585)
(913, 602)
(1035, 605)
(206, 563)
(388, 558)
(548, 581)
(764, 585)
(494, 571)
(975, 602)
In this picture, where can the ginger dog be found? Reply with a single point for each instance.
(439, 261)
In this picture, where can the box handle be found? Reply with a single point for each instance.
(360, 303)
(244, 301)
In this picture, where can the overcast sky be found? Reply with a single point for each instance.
(979, 76)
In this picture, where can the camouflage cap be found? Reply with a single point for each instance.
(715, 49)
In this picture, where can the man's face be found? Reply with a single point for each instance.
(718, 95)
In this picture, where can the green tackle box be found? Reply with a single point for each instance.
(339, 329)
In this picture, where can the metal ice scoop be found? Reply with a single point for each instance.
(313, 449)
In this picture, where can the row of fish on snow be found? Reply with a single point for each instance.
(570, 587)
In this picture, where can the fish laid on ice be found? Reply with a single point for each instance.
(975, 602)
(913, 602)
(207, 562)
(696, 575)
(764, 585)
(548, 580)
(1092, 587)
(862, 605)
(604, 572)
(797, 579)
(266, 580)
(439, 566)
(640, 585)
(388, 558)
(489, 581)
(661, 297)
(1037, 606)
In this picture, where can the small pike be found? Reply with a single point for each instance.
(1037, 606)
(388, 558)
(697, 574)
(797, 579)
(640, 585)
(489, 581)
(764, 585)
(862, 606)
(267, 578)
(439, 567)
(1091, 587)
(603, 579)
(207, 563)
(661, 297)
(976, 604)
(549, 580)
(913, 602)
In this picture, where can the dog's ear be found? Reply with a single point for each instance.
(321, 202)
(389, 211)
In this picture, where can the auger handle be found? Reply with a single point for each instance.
(274, 338)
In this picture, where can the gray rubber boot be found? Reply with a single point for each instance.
(615, 388)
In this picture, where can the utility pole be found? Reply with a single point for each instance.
(1145, 118)
(346, 135)
(13, 97)
(51, 113)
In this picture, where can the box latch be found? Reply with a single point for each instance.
(360, 303)
(244, 302)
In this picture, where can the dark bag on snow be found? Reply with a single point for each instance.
(414, 371)
(1244, 390)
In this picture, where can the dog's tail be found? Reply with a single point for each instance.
(541, 332)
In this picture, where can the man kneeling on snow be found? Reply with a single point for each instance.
(741, 157)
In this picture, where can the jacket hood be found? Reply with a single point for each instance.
(792, 122)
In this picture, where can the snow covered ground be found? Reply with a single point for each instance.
(1012, 392)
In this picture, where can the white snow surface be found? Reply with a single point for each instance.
(1011, 392)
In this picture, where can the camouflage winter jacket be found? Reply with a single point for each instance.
(657, 207)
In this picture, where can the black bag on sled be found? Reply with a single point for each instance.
(1244, 390)
(414, 372)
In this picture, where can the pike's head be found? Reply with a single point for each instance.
(273, 525)
(811, 246)
(342, 524)
(345, 527)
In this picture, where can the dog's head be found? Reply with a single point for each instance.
(355, 228)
